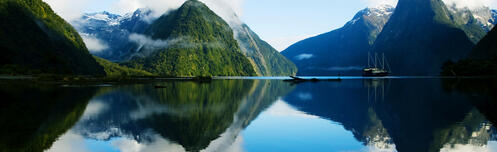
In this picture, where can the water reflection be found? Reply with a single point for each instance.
(34, 116)
(253, 115)
(411, 115)
(188, 116)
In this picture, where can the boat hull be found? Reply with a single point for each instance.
(375, 74)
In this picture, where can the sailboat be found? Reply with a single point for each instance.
(377, 68)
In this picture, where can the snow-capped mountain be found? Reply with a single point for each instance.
(485, 17)
(376, 16)
(343, 50)
(111, 31)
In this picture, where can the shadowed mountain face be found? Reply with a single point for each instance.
(388, 113)
(35, 116)
(481, 62)
(343, 50)
(487, 47)
(34, 40)
(423, 34)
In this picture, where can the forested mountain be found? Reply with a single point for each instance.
(35, 40)
(423, 34)
(481, 62)
(266, 60)
(190, 41)
(118, 33)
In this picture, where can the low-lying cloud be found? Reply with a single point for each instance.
(147, 45)
(145, 41)
(93, 44)
(304, 56)
(471, 4)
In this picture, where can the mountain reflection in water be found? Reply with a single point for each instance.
(253, 115)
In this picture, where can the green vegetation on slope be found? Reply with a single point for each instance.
(266, 60)
(115, 70)
(206, 45)
(34, 40)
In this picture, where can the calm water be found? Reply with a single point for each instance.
(354, 115)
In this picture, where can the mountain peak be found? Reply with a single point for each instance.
(378, 11)
(193, 3)
(423, 30)
(206, 48)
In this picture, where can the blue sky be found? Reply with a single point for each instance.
(280, 22)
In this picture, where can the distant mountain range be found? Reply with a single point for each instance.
(343, 50)
(126, 38)
(112, 30)
(417, 38)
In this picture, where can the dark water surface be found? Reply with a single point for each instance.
(406, 115)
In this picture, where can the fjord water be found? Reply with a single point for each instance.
(411, 114)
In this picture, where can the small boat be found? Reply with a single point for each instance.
(300, 80)
(377, 69)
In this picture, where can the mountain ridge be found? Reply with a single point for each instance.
(341, 51)
(265, 60)
(415, 39)
(207, 46)
(53, 46)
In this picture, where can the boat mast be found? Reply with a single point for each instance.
(383, 62)
(369, 58)
(375, 60)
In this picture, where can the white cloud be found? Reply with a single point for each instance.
(304, 56)
(70, 9)
(158, 144)
(490, 147)
(158, 7)
(471, 3)
(229, 10)
(93, 109)
(146, 41)
(70, 141)
(93, 44)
